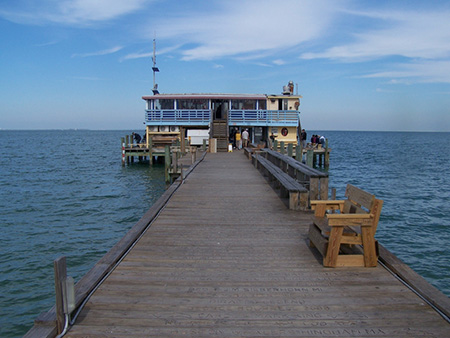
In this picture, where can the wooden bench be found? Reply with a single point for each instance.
(248, 152)
(315, 181)
(353, 222)
(297, 194)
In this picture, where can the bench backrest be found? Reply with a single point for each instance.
(359, 201)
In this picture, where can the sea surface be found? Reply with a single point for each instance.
(65, 193)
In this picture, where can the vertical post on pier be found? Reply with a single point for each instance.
(327, 154)
(290, 149)
(150, 150)
(275, 145)
(310, 157)
(282, 149)
(174, 163)
(204, 145)
(122, 142)
(60, 269)
(167, 163)
(182, 141)
(299, 152)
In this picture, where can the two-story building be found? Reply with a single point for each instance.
(214, 116)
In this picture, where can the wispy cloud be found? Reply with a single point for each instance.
(418, 71)
(99, 53)
(69, 12)
(249, 27)
(148, 54)
(424, 34)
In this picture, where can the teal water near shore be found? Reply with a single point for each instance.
(66, 193)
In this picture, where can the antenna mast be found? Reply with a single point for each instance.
(155, 69)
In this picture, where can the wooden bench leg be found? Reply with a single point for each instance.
(294, 200)
(370, 254)
(334, 244)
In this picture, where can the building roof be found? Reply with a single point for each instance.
(216, 96)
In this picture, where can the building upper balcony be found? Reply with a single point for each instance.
(263, 118)
(202, 117)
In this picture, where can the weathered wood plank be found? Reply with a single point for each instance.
(225, 258)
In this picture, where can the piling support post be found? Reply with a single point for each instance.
(282, 149)
(204, 145)
(290, 149)
(310, 158)
(182, 141)
(327, 154)
(275, 145)
(150, 150)
(122, 142)
(167, 163)
(299, 152)
(60, 269)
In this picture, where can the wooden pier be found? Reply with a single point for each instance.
(224, 257)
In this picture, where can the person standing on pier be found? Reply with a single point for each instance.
(238, 139)
(322, 141)
(303, 136)
(137, 137)
(245, 138)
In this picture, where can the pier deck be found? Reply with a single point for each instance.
(226, 258)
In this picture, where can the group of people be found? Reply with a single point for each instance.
(238, 139)
(317, 139)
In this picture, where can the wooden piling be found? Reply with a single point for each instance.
(282, 148)
(122, 142)
(167, 163)
(310, 157)
(60, 270)
(290, 149)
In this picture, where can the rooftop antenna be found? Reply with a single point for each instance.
(155, 69)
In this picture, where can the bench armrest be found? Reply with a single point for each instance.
(350, 219)
(320, 206)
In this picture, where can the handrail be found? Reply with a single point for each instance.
(263, 117)
(242, 117)
(178, 116)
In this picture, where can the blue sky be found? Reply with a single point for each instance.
(360, 65)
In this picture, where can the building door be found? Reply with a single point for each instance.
(219, 109)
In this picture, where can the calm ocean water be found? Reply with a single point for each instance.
(66, 193)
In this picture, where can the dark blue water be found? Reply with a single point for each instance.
(66, 193)
(63, 193)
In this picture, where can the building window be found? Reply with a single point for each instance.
(243, 104)
(163, 104)
(192, 104)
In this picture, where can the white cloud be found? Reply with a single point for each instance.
(99, 53)
(249, 28)
(424, 34)
(78, 12)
